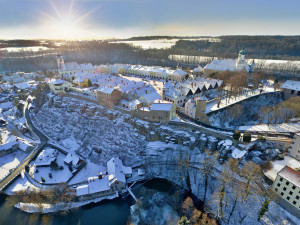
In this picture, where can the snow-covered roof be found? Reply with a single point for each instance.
(161, 106)
(199, 69)
(69, 66)
(116, 170)
(291, 175)
(291, 85)
(71, 158)
(95, 185)
(57, 81)
(151, 97)
(46, 157)
(10, 143)
(224, 64)
(106, 90)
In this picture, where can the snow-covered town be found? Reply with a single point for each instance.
(95, 132)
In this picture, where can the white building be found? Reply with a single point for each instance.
(294, 149)
(71, 159)
(291, 88)
(113, 182)
(46, 157)
(220, 65)
(287, 186)
(59, 85)
(70, 68)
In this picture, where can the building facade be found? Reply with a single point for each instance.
(287, 187)
(294, 149)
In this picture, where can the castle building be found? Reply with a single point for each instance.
(221, 65)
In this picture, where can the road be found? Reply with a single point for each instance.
(43, 140)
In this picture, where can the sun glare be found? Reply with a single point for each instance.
(64, 23)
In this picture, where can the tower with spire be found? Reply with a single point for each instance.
(60, 61)
(240, 63)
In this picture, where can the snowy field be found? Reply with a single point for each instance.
(284, 127)
(10, 162)
(279, 164)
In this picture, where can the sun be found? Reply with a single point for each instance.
(64, 22)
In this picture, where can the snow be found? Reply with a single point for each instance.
(284, 127)
(280, 164)
(213, 105)
(70, 158)
(20, 184)
(10, 162)
(6, 105)
(291, 85)
(46, 156)
(95, 185)
(90, 170)
(237, 154)
(58, 176)
(160, 105)
(48, 208)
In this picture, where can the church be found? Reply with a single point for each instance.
(221, 65)
(70, 68)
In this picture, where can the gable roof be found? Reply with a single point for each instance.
(290, 175)
(291, 85)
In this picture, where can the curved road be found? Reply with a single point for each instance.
(43, 140)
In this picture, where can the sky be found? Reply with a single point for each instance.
(80, 19)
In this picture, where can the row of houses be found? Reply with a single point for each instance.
(180, 93)
(20, 77)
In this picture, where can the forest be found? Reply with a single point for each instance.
(102, 52)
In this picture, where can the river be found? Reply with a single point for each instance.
(108, 212)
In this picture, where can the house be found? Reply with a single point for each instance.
(71, 160)
(162, 111)
(59, 85)
(195, 108)
(10, 145)
(291, 88)
(287, 187)
(46, 157)
(197, 71)
(221, 65)
(131, 105)
(294, 149)
(112, 182)
(108, 96)
(81, 81)
(148, 99)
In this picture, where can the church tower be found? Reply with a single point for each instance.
(60, 61)
(240, 63)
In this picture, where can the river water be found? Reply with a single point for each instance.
(109, 212)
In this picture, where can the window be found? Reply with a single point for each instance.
(278, 185)
(294, 187)
(282, 193)
(297, 197)
(281, 179)
(276, 189)
(288, 198)
(291, 193)
(287, 183)
(292, 91)
(294, 202)
(284, 188)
